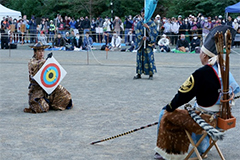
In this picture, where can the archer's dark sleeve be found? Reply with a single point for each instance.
(186, 92)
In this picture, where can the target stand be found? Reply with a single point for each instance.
(50, 75)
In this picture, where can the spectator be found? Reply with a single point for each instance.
(25, 23)
(72, 24)
(195, 25)
(108, 38)
(128, 25)
(186, 28)
(206, 28)
(67, 38)
(58, 19)
(87, 42)
(167, 27)
(72, 36)
(6, 24)
(59, 42)
(163, 44)
(181, 27)
(93, 30)
(117, 25)
(61, 27)
(131, 49)
(229, 21)
(235, 24)
(66, 22)
(220, 18)
(77, 43)
(195, 42)
(43, 25)
(107, 25)
(86, 25)
(52, 31)
(43, 38)
(237, 38)
(32, 30)
(116, 42)
(4, 36)
(15, 35)
(131, 37)
(99, 29)
(2, 20)
(79, 25)
(182, 44)
(20, 31)
(201, 21)
(175, 30)
(158, 23)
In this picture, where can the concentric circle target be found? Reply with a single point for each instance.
(50, 75)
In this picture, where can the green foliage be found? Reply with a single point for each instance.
(121, 8)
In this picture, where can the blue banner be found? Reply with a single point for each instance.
(149, 7)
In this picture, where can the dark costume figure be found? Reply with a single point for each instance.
(39, 100)
(205, 85)
(145, 57)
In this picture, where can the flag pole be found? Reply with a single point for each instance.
(144, 27)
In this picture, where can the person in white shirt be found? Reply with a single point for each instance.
(163, 44)
(175, 30)
(116, 42)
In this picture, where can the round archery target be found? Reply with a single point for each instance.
(50, 75)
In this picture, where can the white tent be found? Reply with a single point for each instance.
(4, 11)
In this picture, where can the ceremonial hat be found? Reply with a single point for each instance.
(39, 45)
(208, 46)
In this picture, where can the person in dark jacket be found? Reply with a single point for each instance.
(195, 42)
(32, 29)
(59, 42)
(86, 25)
(182, 44)
(77, 42)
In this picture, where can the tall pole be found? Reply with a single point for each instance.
(144, 27)
(90, 10)
(111, 4)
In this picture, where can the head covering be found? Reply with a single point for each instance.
(208, 46)
(158, 16)
(39, 45)
(179, 16)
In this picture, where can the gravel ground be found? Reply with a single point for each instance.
(107, 102)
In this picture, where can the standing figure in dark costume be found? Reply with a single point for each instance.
(145, 57)
(39, 100)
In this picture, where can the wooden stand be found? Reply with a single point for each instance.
(194, 149)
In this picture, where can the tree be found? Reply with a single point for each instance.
(121, 8)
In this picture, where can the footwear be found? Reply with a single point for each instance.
(150, 77)
(158, 156)
(28, 110)
(70, 105)
(138, 76)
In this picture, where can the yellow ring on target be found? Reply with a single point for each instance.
(53, 77)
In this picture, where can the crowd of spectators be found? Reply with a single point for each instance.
(102, 30)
